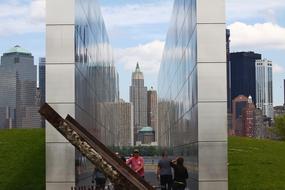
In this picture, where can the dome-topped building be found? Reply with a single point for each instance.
(18, 84)
(17, 49)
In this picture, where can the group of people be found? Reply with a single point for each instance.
(164, 171)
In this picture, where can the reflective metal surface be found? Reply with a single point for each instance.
(192, 91)
(81, 79)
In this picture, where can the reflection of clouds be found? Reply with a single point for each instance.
(19, 18)
(148, 55)
(258, 36)
(136, 14)
(103, 53)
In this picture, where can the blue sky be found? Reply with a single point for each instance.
(137, 30)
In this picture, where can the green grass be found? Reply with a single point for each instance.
(22, 159)
(253, 164)
(256, 164)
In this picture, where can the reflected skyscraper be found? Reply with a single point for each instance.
(80, 79)
(138, 96)
(192, 91)
(152, 110)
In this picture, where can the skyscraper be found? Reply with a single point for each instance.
(243, 74)
(248, 118)
(239, 103)
(18, 88)
(264, 99)
(152, 110)
(228, 34)
(42, 84)
(138, 96)
(42, 79)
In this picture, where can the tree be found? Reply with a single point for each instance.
(279, 127)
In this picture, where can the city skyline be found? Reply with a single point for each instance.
(142, 39)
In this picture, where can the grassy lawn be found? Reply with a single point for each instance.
(22, 159)
(256, 164)
(253, 164)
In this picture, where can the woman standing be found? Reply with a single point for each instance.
(180, 174)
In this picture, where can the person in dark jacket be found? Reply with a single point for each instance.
(164, 173)
(180, 174)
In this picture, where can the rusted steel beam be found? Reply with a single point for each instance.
(113, 167)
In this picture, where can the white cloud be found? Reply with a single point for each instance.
(238, 9)
(278, 68)
(148, 55)
(136, 14)
(17, 18)
(257, 36)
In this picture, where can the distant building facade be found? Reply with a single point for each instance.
(138, 97)
(229, 103)
(262, 125)
(146, 135)
(121, 127)
(239, 103)
(42, 79)
(248, 118)
(264, 97)
(243, 79)
(18, 86)
(152, 110)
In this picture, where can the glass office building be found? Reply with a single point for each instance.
(192, 91)
(263, 73)
(80, 77)
(18, 83)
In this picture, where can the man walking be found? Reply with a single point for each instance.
(164, 172)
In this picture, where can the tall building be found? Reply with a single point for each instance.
(248, 118)
(42, 84)
(264, 99)
(239, 103)
(18, 86)
(138, 97)
(80, 74)
(192, 91)
(121, 127)
(152, 110)
(228, 34)
(243, 74)
(42, 79)
(284, 91)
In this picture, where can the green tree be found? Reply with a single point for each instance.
(279, 127)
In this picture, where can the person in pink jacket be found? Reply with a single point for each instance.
(137, 163)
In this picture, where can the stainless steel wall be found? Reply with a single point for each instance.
(192, 91)
(79, 76)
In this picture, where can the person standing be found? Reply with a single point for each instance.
(164, 172)
(99, 178)
(180, 174)
(137, 163)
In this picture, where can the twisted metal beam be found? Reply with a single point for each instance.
(105, 160)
